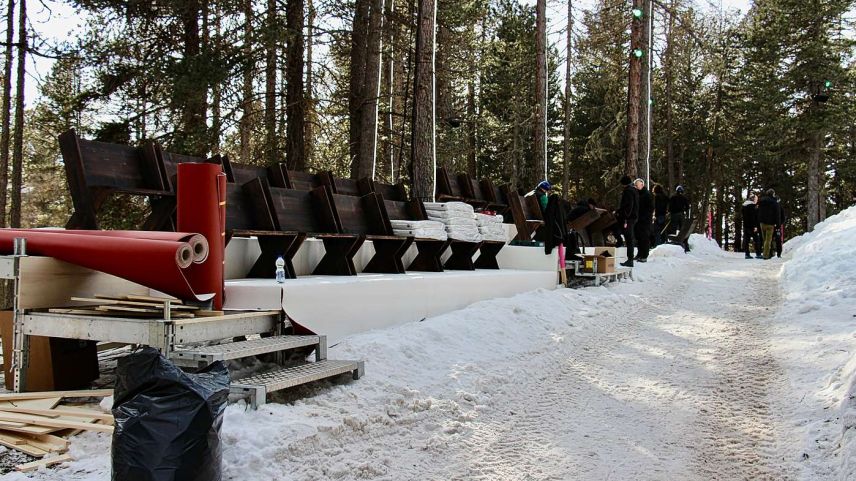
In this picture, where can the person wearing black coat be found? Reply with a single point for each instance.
(554, 231)
(679, 209)
(751, 227)
(778, 234)
(768, 217)
(661, 208)
(628, 212)
(642, 231)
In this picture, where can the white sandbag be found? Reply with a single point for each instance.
(417, 224)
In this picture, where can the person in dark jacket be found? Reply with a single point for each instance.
(554, 231)
(778, 233)
(541, 193)
(628, 212)
(661, 208)
(679, 209)
(768, 217)
(751, 227)
(642, 231)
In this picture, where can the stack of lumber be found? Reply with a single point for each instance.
(37, 423)
(134, 306)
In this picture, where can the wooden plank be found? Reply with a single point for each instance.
(207, 313)
(46, 444)
(29, 467)
(20, 444)
(120, 302)
(57, 412)
(240, 315)
(135, 297)
(56, 423)
(128, 309)
(53, 394)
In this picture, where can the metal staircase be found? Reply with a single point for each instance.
(258, 385)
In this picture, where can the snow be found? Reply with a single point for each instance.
(706, 366)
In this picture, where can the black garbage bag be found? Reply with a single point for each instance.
(167, 422)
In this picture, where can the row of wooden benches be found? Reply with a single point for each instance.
(278, 206)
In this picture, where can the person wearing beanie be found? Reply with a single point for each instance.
(628, 212)
(541, 194)
(768, 217)
(661, 209)
(679, 208)
(642, 231)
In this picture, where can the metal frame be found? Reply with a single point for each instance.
(600, 277)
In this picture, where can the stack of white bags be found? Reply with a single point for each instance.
(490, 227)
(461, 221)
(423, 229)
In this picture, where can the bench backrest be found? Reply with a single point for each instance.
(276, 175)
(242, 212)
(300, 180)
(344, 186)
(492, 192)
(361, 215)
(122, 168)
(395, 192)
(448, 184)
(281, 209)
(410, 210)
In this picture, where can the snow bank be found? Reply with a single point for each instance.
(700, 245)
(816, 343)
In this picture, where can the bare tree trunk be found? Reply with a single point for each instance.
(270, 84)
(566, 147)
(634, 86)
(309, 125)
(18, 141)
(391, 78)
(472, 115)
(246, 123)
(295, 102)
(359, 52)
(5, 136)
(422, 144)
(371, 83)
(813, 181)
(539, 152)
(668, 65)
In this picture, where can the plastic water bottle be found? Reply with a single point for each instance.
(280, 270)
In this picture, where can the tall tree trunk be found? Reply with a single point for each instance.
(634, 87)
(18, 141)
(193, 139)
(371, 91)
(295, 103)
(5, 136)
(566, 145)
(813, 182)
(309, 123)
(422, 144)
(472, 126)
(359, 52)
(270, 84)
(539, 152)
(668, 64)
(245, 126)
(392, 30)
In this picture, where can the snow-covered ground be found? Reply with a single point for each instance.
(707, 366)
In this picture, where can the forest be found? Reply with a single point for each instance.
(739, 101)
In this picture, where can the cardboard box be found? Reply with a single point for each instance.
(605, 265)
(599, 251)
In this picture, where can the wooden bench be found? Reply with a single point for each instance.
(476, 190)
(449, 188)
(429, 251)
(96, 170)
(276, 175)
(311, 213)
(395, 192)
(345, 186)
(595, 230)
(366, 216)
(525, 212)
(299, 180)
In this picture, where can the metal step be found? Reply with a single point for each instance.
(200, 356)
(259, 385)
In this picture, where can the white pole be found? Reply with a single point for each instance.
(389, 116)
(434, 103)
(650, 96)
(377, 97)
(546, 89)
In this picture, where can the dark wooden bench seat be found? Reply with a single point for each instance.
(475, 190)
(525, 212)
(429, 252)
(366, 216)
(311, 213)
(450, 189)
